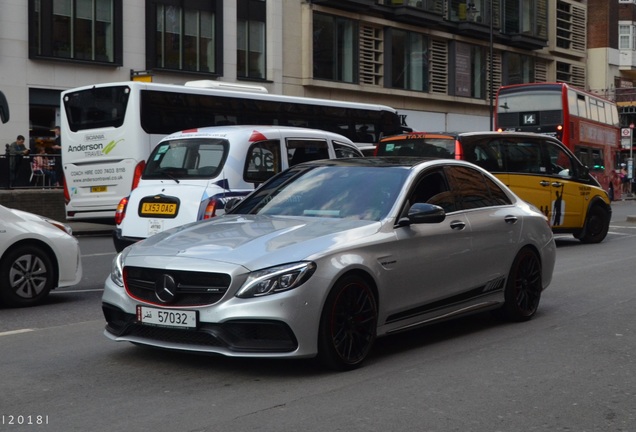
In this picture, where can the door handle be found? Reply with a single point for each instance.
(457, 225)
(557, 184)
(544, 183)
(511, 219)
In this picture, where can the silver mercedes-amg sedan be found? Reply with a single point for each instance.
(327, 256)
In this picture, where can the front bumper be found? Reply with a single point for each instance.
(236, 336)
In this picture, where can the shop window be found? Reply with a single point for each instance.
(183, 35)
(409, 60)
(470, 71)
(250, 54)
(335, 48)
(82, 30)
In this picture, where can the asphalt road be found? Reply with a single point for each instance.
(571, 368)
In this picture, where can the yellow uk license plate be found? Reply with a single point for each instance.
(99, 189)
(166, 209)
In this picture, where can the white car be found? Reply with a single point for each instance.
(37, 254)
(191, 174)
(328, 255)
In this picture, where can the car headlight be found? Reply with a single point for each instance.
(276, 279)
(117, 268)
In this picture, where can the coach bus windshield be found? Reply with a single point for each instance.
(96, 108)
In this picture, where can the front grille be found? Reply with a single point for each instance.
(176, 336)
(192, 288)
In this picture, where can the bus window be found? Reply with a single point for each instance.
(582, 106)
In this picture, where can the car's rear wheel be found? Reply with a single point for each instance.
(348, 324)
(523, 288)
(26, 276)
(596, 225)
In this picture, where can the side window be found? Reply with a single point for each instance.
(561, 164)
(497, 195)
(471, 188)
(433, 189)
(345, 151)
(524, 157)
(303, 150)
(485, 153)
(262, 161)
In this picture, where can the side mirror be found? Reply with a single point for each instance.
(4, 109)
(423, 213)
(231, 203)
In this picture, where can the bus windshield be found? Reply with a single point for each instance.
(96, 108)
(529, 101)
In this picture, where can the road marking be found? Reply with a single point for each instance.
(99, 254)
(58, 291)
(12, 332)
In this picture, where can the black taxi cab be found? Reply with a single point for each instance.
(538, 168)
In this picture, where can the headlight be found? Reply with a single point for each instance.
(276, 279)
(117, 268)
(63, 227)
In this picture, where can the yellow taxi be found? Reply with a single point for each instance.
(538, 168)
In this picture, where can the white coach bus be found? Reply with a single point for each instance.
(109, 130)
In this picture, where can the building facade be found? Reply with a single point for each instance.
(438, 62)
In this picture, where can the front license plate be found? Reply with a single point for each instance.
(164, 209)
(167, 318)
(99, 189)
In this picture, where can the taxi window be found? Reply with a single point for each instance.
(561, 164)
(304, 150)
(524, 156)
(418, 145)
(262, 161)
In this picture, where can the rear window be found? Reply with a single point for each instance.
(417, 145)
(190, 158)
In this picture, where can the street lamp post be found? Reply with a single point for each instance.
(490, 63)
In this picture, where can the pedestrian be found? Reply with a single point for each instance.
(625, 186)
(42, 164)
(17, 150)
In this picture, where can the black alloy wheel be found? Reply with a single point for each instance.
(348, 324)
(524, 286)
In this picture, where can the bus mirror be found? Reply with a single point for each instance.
(4, 108)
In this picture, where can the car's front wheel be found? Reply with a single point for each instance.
(26, 276)
(524, 286)
(348, 324)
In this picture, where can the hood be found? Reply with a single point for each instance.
(254, 241)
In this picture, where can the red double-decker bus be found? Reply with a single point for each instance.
(586, 123)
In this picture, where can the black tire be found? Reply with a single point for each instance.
(26, 276)
(596, 225)
(348, 324)
(523, 287)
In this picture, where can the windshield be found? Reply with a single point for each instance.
(98, 107)
(366, 193)
(418, 146)
(187, 158)
(531, 100)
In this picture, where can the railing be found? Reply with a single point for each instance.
(16, 172)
